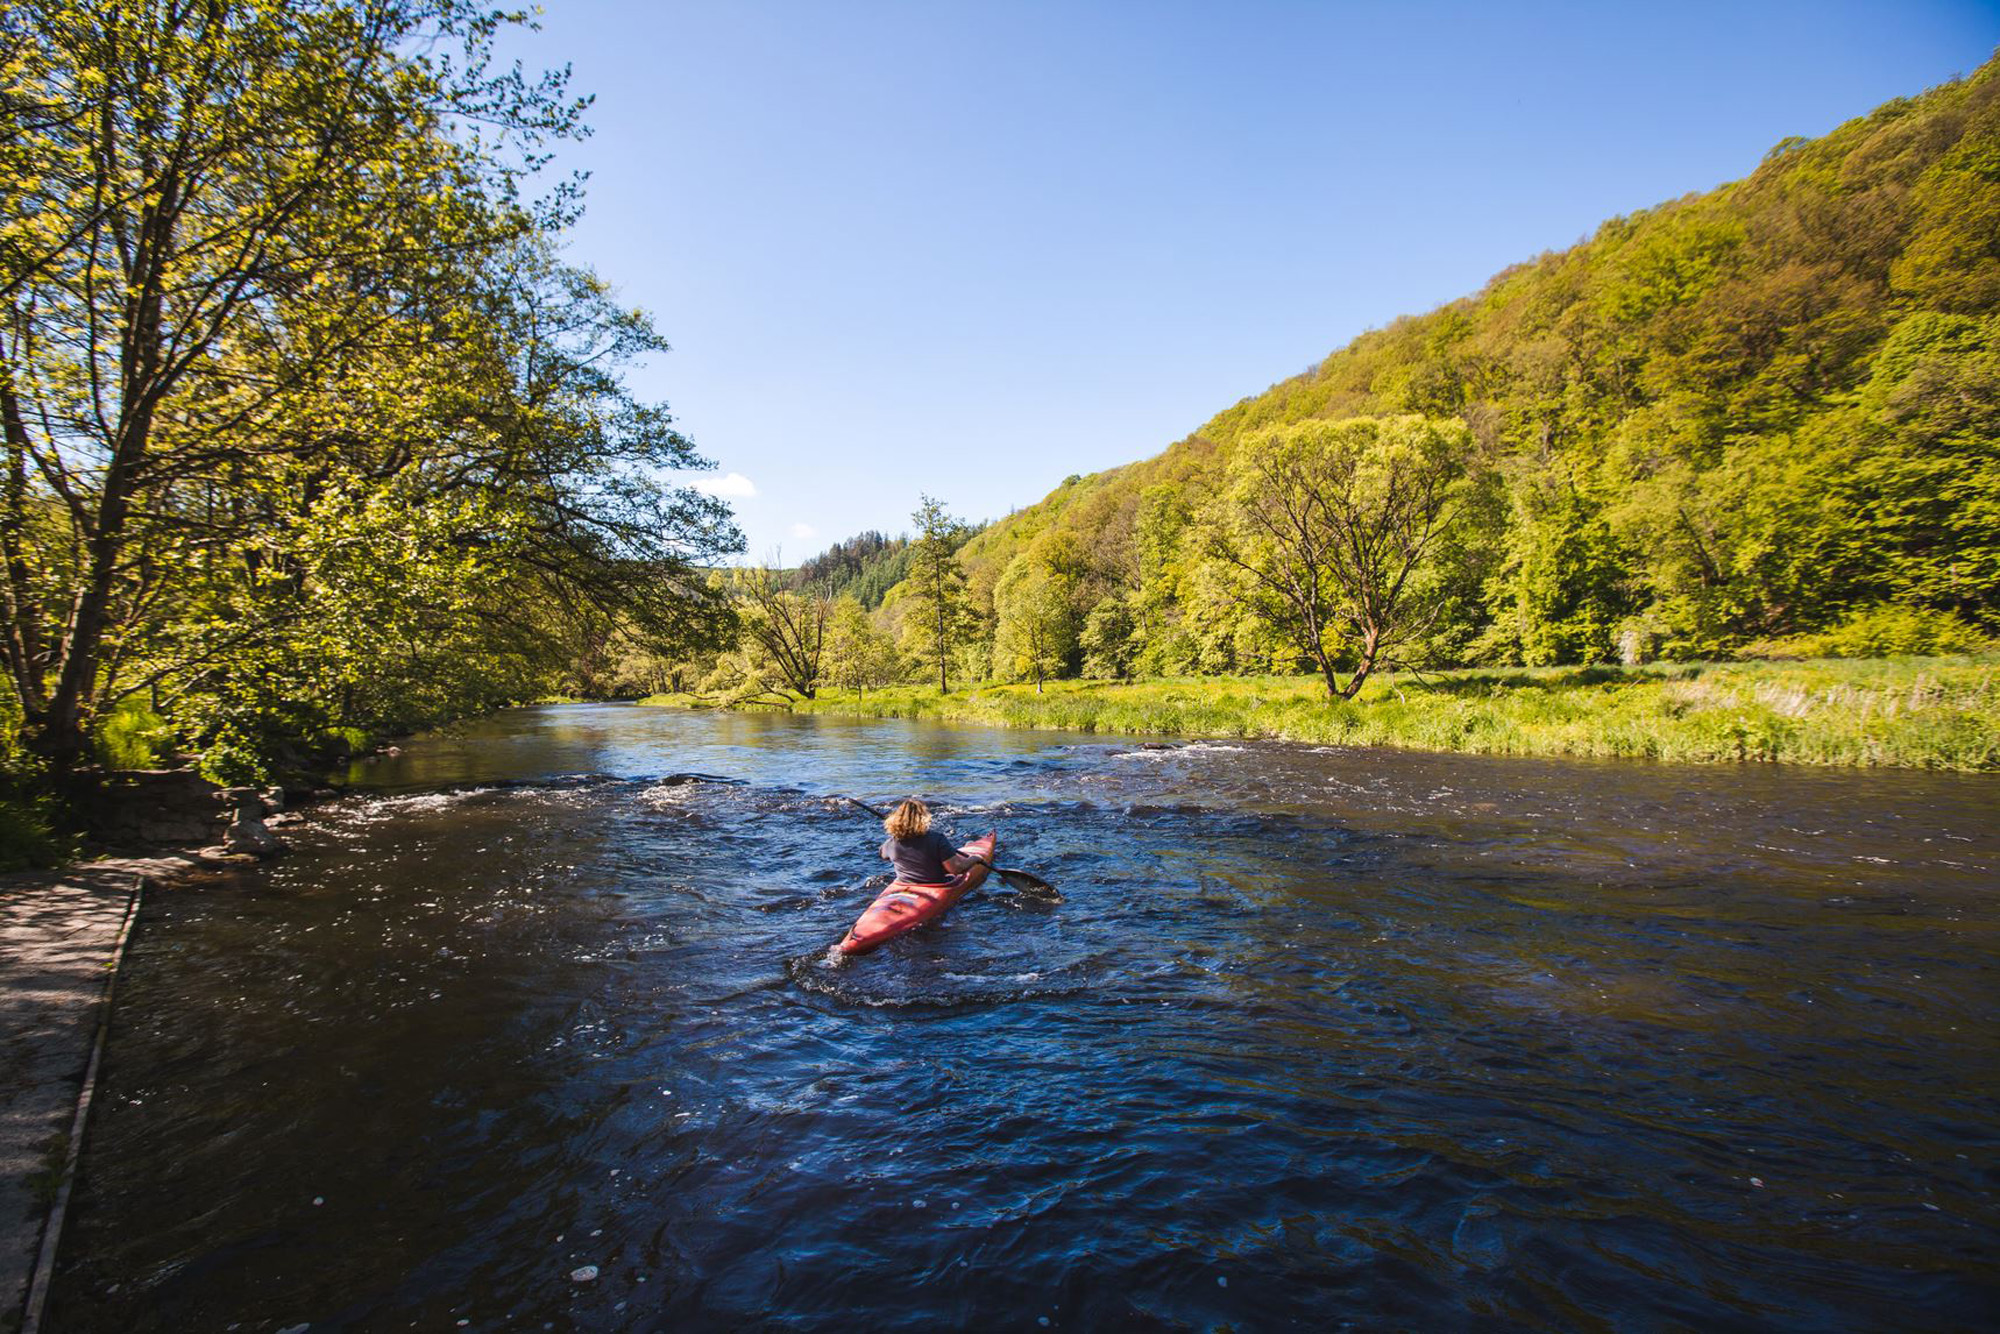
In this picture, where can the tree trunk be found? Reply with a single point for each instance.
(61, 737)
(1331, 677)
(24, 615)
(944, 686)
(1369, 643)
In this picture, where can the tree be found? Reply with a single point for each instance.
(1108, 640)
(1561, 590)
(1333, 524)
(861, 656)
(790, 626)
(295, 399)
(1926, 489)
(936, 585)
(1036, 629)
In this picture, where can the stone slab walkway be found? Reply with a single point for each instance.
(61, 934)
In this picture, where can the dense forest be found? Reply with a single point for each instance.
(1764, 420)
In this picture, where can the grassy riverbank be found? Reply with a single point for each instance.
(1925, 713)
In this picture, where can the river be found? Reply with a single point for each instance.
(1316, 1038)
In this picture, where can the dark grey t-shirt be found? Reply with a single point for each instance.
(920, 860)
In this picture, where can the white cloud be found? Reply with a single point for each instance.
(802, 531)
(729, 486)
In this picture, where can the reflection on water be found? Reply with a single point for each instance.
(1316, 1038)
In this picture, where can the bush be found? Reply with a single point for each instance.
(1891, 631)
(28, 834)
(28, 826)
(131, 736)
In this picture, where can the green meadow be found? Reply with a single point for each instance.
(1922, 713)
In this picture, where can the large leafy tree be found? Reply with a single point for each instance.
(1037, 625)
(788, 625)
(860, 656)
(1335, 526)
(1036, 608)
(295, 398)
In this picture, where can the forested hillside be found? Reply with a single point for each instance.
(1761, 419)
(865, 567)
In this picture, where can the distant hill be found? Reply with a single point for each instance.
(1733, 421)
(866, 566)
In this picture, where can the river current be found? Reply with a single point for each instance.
(533, 1030)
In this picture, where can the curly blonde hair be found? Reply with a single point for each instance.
(909, 820)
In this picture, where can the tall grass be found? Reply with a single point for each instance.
(1924, 713)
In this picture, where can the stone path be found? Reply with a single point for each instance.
(61, 934)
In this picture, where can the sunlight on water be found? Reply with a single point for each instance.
(1314, 1035)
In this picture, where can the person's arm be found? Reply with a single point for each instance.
(955, 862)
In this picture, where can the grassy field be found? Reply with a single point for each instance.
(1924, 713)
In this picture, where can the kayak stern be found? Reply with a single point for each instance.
(903, 907)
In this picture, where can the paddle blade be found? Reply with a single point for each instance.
(1027, 881)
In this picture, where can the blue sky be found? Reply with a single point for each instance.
(969, 249)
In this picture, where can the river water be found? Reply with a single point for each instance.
(1316, 1038)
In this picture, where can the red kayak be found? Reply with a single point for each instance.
(905, 907)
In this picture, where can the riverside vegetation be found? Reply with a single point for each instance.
(1757, 423)
(310, 433)
(1932, 713)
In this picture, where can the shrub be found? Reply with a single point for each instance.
(131, 736)
(28, 834)
(28, 826)
(1887, 631)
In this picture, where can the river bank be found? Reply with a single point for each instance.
(62, 936)
(1920, 713)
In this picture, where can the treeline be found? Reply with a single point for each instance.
(865, 567)
(1759, 421)
(869, 612)
(309, 433)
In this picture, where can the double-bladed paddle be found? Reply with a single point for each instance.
(1026, 881)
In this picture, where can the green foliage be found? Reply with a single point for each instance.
(867, 566)
(1933, 713)
(784, 629)
(934, 606)
(1737, 417)
(1881, 632)
(1922, 444)
(131, 736)
(1037, 623)
(1109, 640)
(308, 431)
(28, 831)
(1562, 580)
(29, 819)
(862, 657)
(1335, 528)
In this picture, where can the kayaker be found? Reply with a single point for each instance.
(920, 854)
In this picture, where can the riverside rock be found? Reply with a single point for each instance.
(248, 835)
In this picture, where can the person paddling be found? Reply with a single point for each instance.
(920, 854)
(931, 875)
